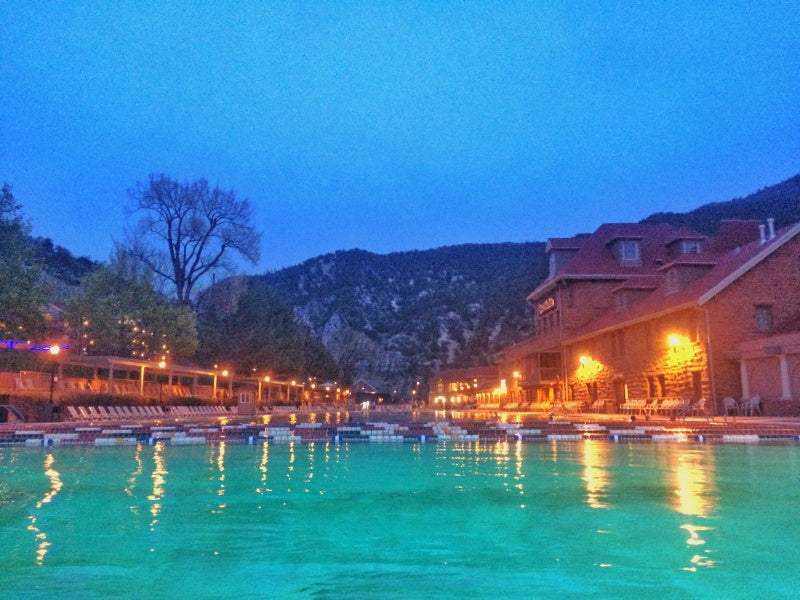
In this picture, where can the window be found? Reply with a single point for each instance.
(763, 317)
(620, 298)
(691, 246)
(651, 386)
(630, 251)
(617, 340)
(673, 281)
(697, 385)
(694, 328)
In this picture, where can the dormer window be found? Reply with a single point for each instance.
(690, 247)
(683, 246)
(627, 251)
(631, 251)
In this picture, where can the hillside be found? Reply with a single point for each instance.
(781, 201)
(394, 319)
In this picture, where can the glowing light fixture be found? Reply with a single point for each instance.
(585, 360)
(674, 340)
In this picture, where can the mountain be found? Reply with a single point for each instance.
(394, 319)
(781, 201)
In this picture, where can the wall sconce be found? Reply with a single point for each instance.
(675, 340)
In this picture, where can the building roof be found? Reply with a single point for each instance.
(595, 258)
(724, 269)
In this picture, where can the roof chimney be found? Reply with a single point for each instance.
(771, 227)
(762, 233)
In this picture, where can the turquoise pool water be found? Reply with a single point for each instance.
(539, 520)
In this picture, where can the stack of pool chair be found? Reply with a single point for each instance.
(198, 411)
(672, 406)
(114, 413)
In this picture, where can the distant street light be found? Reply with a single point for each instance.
(161, 364)
(54, 350)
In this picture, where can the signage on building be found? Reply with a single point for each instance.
(546, 305)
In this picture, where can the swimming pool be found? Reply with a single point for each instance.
(456, 520)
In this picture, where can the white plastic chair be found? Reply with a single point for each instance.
(751, 406)
(729, 404)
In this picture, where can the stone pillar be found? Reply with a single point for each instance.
(786, 390)
(744, 378)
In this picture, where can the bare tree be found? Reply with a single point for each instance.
(188, 231)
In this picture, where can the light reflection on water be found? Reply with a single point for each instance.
(55, 487)
(588, 516)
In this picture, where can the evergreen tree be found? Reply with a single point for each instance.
(257, 331)
(22, 295)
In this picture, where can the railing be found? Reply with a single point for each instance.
(541, 375)
(33, 383)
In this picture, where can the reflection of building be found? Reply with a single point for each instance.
(465, 387)
(637, 311)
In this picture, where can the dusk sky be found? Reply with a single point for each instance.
(396, 126)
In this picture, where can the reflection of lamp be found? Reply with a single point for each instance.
(585, 360)
(674, 340)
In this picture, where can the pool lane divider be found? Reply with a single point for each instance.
(126, 434)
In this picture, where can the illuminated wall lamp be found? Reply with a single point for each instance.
(675, 340)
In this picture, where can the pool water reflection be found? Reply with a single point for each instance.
(471, 520)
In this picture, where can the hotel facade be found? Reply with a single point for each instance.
(649, 312)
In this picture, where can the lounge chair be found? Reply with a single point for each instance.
(698, 407)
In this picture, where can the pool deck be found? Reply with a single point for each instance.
(388, 426)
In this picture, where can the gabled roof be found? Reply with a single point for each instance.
(729, 267)
(640, 283)
(702, 260)
(363, 387)
(595, 259)
(740, 261)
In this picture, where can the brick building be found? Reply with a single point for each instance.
(465, 388)
(649, 312)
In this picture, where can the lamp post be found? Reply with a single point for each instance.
(161, 364)
(54, 350)
(230, 385)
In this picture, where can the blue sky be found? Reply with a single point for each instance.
(396, 125)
